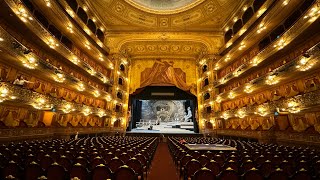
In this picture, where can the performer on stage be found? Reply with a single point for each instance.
(188, 116)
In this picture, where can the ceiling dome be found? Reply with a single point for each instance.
(164, 6)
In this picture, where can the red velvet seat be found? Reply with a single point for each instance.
(204, 174)
(101, 172)
(125, 173)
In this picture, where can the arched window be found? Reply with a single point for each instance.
(83, 15)
(206, 96)
(120, 81)
(257, 4)
(228, 35)
(247, 15)
(119, 95)
(100, 35)
(292, 19)
(208, 109)
(117, 108)
(92, 26)
(204, 68)
(122, 68)
(264, 43)
(41, 18)
(66, 42)
(28, 4)
(117, 123)
(206, 82)
(54, 31)
(73, 4)
(237, 26)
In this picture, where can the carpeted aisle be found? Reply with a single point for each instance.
(163, 167)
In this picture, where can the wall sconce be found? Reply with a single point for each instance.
(228, 44)
(293, 107)
(231, 95)
(242, 46)
(237, 73)
(96, 93)
(30, 63)
(22, 13)
(216, 67)
(241, 113)
(70, 12)
(88, 32)
(272, 79)
(248, 88)
(75, 60)
(87, 111)
(87, 45)
(281, 44)
(102, 113)
(41, 103)
(59, 77)
(111, 66)
(225, 115)
(69, 28)
(260, 12)
(227, 58)
(100, 43)
(202, 61)
(262, 111)
(305, 64)
(254, 61)
(218, 99)
(52, 43)
(5, 94)
(47, 3)
(108, 98)
(313, 14)
(67, 108)
(101, 57)
(242, 31)
(105, 79)
(92, 72)
(261, 28)
(81, 87)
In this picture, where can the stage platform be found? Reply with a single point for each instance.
(167, 128)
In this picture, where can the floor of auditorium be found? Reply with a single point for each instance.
(163, 167)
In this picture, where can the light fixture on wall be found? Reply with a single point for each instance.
(22, 13)
(231, 95)
(241, 113)
(81, 87)
(218, 99)
(96, 93)
(225, 115)
(305, 63)
(272, 79)
(281, 43)
(87, 111)
(108, 97)
(293, 107)
(262, 111)
(248, 88)
(41, 103)
(5, 94)
(67, 108)
(30, 63)
(313, 14)
(52, 43)
(59, 77)
(102, 113)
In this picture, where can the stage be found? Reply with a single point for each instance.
(166, 128)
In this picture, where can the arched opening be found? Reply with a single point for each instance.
(237, 26)
(122, 68)
(73, 4)
(119, 95)
(247, 15)
(167, 109)
(204, 68)
(92, 26)
(120, 81)
(206, 82)
(83, 15)
(206, 96)
(100, 35)
(228, 35)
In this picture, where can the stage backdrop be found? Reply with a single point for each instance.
(164, 110)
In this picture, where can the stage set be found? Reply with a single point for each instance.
(156, 111)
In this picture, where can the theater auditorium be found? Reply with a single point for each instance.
(159, 89)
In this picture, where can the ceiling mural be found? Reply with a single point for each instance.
(165, 6)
